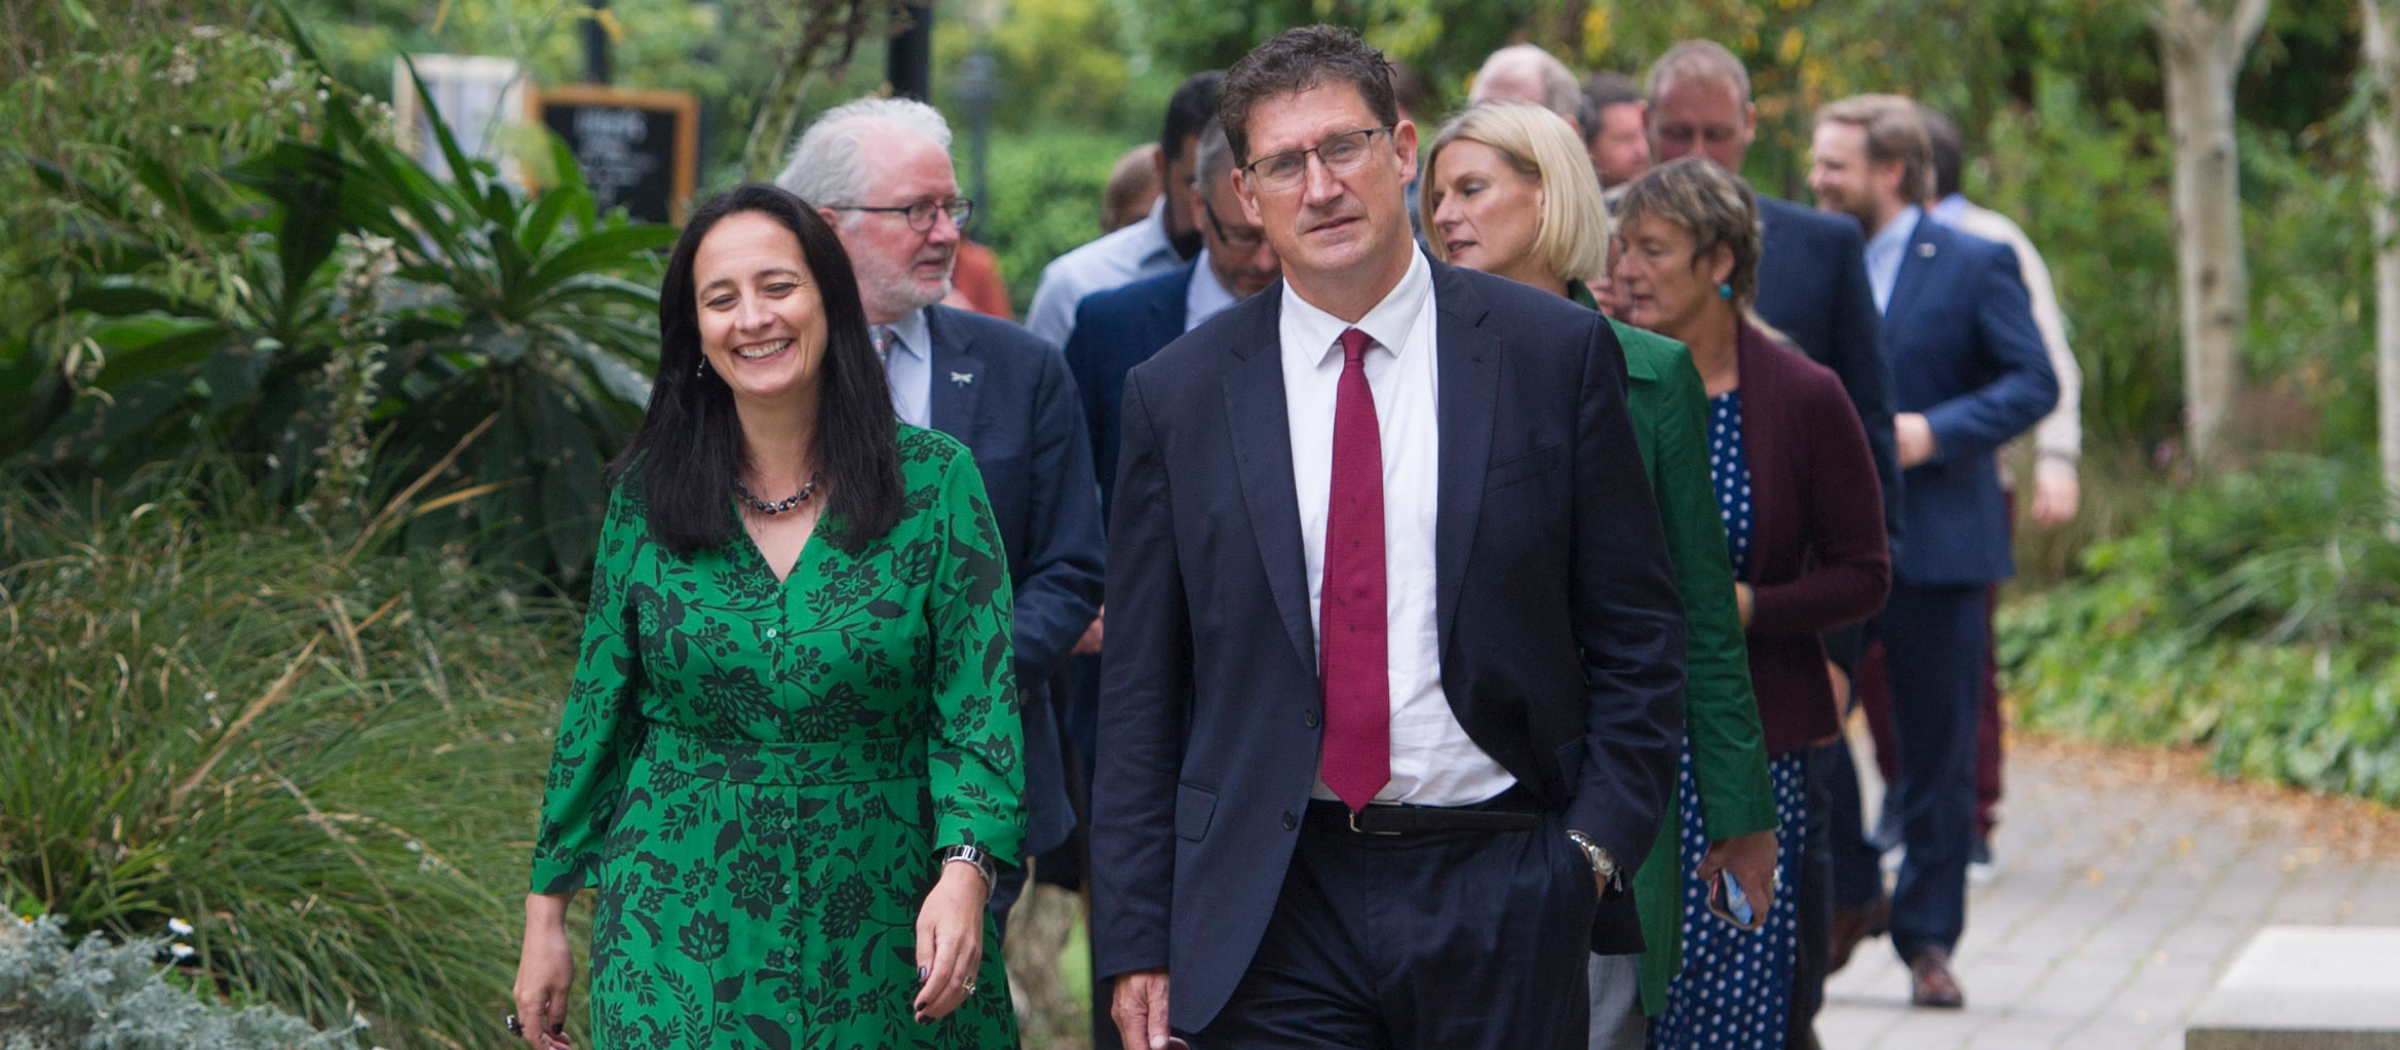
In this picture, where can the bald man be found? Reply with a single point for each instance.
(1526, 73)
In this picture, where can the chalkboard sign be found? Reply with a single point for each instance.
(638, 149)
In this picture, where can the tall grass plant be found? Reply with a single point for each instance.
(324, 760)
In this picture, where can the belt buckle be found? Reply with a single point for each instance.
(1353, 815)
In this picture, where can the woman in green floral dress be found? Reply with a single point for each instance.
(790, 754)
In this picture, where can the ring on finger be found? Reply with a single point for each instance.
(515, 1026)
(970, 987)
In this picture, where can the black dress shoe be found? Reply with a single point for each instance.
(1930, 982)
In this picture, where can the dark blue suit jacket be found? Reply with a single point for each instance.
(1959, 334)
(1560, 631)
(1006, 394)
(1114, 331)
(1812, 287)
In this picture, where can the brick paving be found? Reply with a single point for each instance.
(2125, 882)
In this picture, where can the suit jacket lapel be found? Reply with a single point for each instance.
(1917, 258)
(957, 380)
(1467, 358)
(1262, 454)
(1173, 308)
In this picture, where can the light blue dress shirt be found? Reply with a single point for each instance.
(1885, 250)
(1205, 296)
(1949, 210)
(908, 366)
(1113, 261)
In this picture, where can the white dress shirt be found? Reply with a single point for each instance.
(1205, 296)
(1434, 762)
(908, 366)
(1113, 261)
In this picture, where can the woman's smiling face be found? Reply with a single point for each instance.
(762, 320)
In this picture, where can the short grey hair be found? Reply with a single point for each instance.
(829, 164)
(1699, 62)
(1214, 157)
(1560, 93)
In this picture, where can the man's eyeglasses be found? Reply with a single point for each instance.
(920, 215)
(1242, 242)
(1340, 153)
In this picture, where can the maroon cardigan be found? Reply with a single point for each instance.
(1817, 555)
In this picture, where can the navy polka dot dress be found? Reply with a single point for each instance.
(1735, 989)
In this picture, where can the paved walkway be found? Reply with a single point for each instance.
(2125, 883)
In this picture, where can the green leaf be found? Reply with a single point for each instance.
(307, 181)
(165, 347)
(129, 300)
(602, 250)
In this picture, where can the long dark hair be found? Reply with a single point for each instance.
(688, 451)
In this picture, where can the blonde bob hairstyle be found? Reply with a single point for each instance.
(1573, 238)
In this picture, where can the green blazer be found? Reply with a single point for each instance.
(1729, 756)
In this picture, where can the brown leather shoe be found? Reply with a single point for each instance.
(1930, 982)
(1853, 924)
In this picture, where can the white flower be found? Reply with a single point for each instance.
(180, 951)
(359, 1020)
(180, 927)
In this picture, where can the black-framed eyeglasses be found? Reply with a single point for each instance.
(1339, 153)
(920, 215)
(1243, 242)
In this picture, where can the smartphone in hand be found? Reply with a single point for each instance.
(1727, 901)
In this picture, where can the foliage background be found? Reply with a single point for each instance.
(240, 339)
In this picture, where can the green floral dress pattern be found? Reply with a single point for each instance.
(755, 774)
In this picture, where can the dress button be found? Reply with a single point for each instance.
(771, 632)
(1290, 821)
(791, 1018)
(1308, 717)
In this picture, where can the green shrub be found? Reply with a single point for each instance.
(325, 759)
(317, 289)
(2259, 615)
(1045, 200)
(100, 995)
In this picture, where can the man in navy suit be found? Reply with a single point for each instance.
(1970, 373)
(1812, 287)
(879, 170)
(1120, 328)
(1391, 695)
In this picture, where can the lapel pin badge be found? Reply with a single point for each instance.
(962, 378)
(1925, 250)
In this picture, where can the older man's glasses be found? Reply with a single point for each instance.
(1340, 154)
(1241, 240)
(920, 215)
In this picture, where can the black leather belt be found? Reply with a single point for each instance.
(1511, 811)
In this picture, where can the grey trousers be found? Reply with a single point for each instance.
(1617, 1021)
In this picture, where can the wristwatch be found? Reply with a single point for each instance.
(1604, 863)
(982, 861)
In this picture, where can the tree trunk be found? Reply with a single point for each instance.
(2202, 43)
(2379, 21)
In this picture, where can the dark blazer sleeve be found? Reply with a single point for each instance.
(2024, 389)
(1084, 351)
(1843, 518)
(1148, 656)
(1627, 620)
(1866, 377)
(1060, 588)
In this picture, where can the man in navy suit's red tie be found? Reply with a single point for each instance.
(1392, 693)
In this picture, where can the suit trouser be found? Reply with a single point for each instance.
(1934, 642)
(1454, 940)
(1617, 1019)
